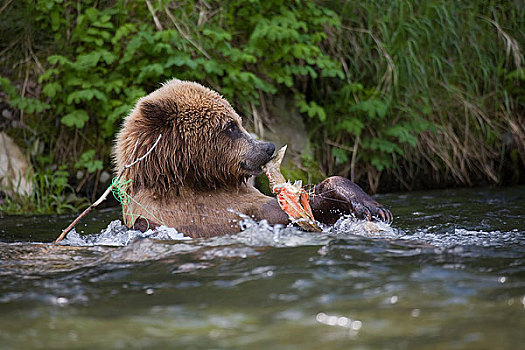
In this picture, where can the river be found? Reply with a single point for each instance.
(449, 273)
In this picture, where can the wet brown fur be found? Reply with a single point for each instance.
(193, 179)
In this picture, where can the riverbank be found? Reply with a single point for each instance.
(394, 95)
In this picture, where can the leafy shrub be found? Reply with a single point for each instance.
(387, 89)
(51, 195)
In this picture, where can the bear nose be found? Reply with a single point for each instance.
(269, 148)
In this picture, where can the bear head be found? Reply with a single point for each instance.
(203, 144)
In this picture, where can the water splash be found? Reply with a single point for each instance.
(443, 236)
(440, 237)
(349, 225)
(261, 233)
(117, 234)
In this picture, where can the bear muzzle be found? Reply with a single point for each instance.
(258, 154)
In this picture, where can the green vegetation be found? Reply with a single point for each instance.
(395, 94)
(52, 195)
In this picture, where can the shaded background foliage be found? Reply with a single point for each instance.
(394, 94)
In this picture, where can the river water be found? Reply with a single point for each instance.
(449, 273)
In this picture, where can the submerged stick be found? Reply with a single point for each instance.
(108, 190)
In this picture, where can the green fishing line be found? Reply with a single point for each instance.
(119, 190)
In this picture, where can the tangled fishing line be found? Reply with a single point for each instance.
(118, 187)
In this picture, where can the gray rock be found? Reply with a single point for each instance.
(15, 171)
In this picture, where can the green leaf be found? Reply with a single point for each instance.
(312, 109)
(180, 60)
(85, 95)
(154, 70)
(47, 75)
(58, 59)
(380, 144)
(353, 126)
(403, 133)
(51, 89)
(8, 87)
(88, 60)
(108, 57)
(123, 31)
(218, 34)
(340, 155)
(76, 118)
(373, 108)
(213, 67)
(380, 162)
(87, 161)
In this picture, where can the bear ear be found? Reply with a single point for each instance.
(159, 112)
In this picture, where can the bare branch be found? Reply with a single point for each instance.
(184, 35)
(155, 18)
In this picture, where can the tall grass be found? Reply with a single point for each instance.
(457, 65)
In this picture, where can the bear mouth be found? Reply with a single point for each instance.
(252, 169)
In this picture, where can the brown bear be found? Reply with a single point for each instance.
(195, 178)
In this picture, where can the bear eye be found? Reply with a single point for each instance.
(232, 130)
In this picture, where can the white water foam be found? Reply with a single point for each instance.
(463, 237)
(349, 225)
(258, 234)
(117, 234)
(254, 233)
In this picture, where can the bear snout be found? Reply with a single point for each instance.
(258, 154)
(269, 148)
(264, 151)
